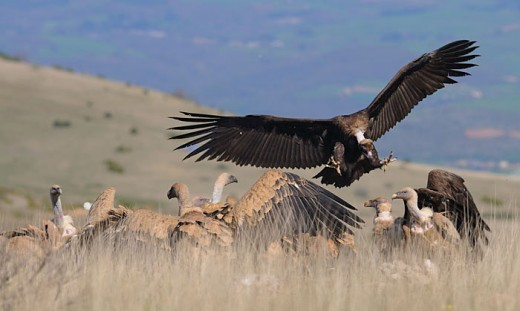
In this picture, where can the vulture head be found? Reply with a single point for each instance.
(380, 204)
(182, 193)
(405, 194)
(55, 192)
(226, 179)
(177, 190)
(409, 196)
(367, 148)
(223, 180)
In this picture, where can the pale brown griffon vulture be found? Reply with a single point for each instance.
(447, 194)
(284, 205)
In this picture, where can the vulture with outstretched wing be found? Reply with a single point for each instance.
(282, 204)
(278, 205)
(343, 144)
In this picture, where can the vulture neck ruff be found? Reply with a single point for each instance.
(383, 216)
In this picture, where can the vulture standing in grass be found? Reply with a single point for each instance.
(145, 224)
(40, 241)
(388, 231)
(434, 217)
(63, 222)
(194, 224)
(284, 205)
(446, 193)
(33, 241)
(103, 217)
(342, 144)
(424, 223)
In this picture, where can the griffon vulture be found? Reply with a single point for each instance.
(193, 223)
(388, 231)
(446, 194)
(282, 204)
(279, 205)
(42, 240)
(433, 227)
(63, 222)
(343, 144)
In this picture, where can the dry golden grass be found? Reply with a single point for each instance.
(130, 276)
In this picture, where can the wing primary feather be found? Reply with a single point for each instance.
(192, 134)
(191, 127)
(194, 142)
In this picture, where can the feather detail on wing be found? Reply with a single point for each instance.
(416, 80)
(257, 140)
(202, 230)
(296, 203)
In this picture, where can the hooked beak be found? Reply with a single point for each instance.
(369, 155)
(395, 196)
(170, 194)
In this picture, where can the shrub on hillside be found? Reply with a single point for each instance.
(61, 123)
(114, 166)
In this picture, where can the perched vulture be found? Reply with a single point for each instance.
(342, 144)
(39, 241)
(63, 222)
(102, 217)
(388, 231)
(446, 193)
(282, 204)
(430, 223)
(194, 224)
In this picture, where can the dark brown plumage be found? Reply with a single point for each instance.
(446, 193)
(277, 142)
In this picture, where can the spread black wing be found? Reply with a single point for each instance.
(258, 140)
(415, 81)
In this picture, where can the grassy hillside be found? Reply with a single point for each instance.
(87, 133)
(297, 59)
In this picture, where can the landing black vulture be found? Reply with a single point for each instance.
(343, 144)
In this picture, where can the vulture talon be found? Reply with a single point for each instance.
(386, 161)
(333, 163)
